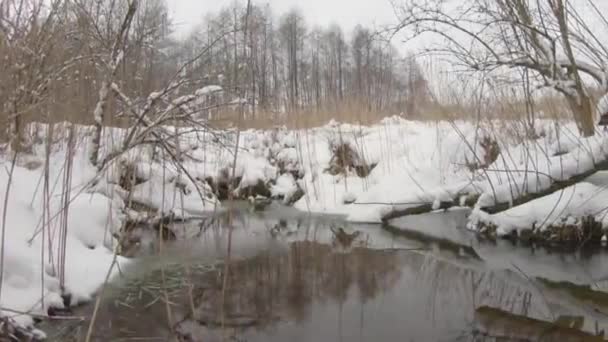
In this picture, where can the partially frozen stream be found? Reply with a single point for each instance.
(290, 280)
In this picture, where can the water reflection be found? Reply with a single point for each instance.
(295, 285)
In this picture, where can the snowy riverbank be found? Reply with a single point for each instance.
(359, 172)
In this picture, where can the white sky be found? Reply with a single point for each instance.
(346, 13)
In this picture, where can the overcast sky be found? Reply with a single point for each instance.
(346, 13)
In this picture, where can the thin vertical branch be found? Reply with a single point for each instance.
(4, 216)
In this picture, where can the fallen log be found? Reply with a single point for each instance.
(556, 186)
(471, 200)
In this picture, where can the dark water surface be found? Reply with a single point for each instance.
(290, 278)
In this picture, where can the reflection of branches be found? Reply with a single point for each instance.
(268, 287)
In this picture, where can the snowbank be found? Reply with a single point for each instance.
(31, 273)
(51, 252)
(171, 191)
(563, 208)
(413, 163)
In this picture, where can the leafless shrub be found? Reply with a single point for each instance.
(549, 41)
(345, 160)
(490, 150)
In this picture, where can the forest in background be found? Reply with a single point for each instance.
(56, 56)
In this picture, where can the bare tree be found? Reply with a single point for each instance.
(546, 37)
(111, 63)
(292, 34)
(30, 64)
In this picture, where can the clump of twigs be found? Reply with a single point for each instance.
(128, 176)
(491, 152)
(346, 160)
(260, 188)
(566, 232)
(223, 184)
(570, 230)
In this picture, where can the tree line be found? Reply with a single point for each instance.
(56, 55)
(290, 66)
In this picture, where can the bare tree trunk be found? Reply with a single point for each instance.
(584, 113)
(116, 58)
(582, 106)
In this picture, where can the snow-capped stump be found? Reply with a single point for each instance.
(287, 161)
(290, 141)
(286, 189)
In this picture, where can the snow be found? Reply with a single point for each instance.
(91, 220)
(154, 96)
(349, 198)
(96, 211)
(436, 204)
(253, 170)
(174, 194)
(208, 90)
(416, 163)
(411, 163)
(577, 201)
(285, 186)
(103, 95)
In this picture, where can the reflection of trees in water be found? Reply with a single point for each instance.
(448, 294)
(270, 286)
(502, 289)
(284, 285)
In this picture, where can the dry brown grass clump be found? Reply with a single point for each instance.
(346, 160)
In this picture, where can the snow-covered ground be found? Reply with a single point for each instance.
(565, 207)
(32, 236)
(411, 163)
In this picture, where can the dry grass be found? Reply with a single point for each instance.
(346, 113)
(452, 107)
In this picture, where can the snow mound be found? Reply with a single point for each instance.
(32, 251)
(175, 195)
(577, 201)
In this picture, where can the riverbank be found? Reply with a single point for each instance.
(65, 219)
